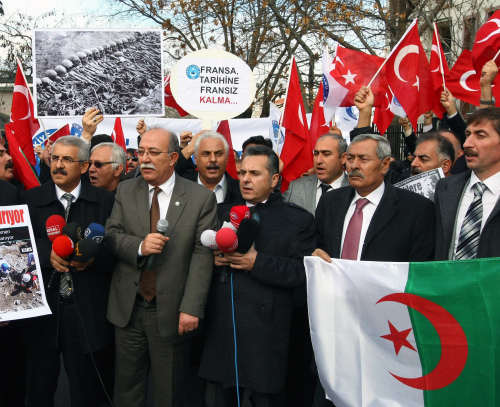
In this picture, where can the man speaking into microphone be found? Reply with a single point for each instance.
(156, 305)
(79, 291)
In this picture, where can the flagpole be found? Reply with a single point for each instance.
(495, 57)
(286, 95)
(388, 56)
(440, 54)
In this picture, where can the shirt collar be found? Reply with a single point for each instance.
(373, 197)
(75, 192)
(167, 187)
(335, 184)
(492, 183)
(222, 183)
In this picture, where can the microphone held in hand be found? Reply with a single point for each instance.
(54, 226)
(247, 233)
(63, 246)
(161, 227)
(95, 232)
(73, 231)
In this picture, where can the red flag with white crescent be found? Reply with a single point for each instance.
(440, 72)
(487, 42)
(318, 125)
(23, 124)
(383, 115)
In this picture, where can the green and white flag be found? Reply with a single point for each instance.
(406, 334)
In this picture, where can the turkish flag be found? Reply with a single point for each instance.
(354, 69)
(169, 98)
(231, 163)
(23, 171)
(118, 136)
(297, 152)
(23, 124)
(409, 75)
(464, 81)
(318, 126)
(487, 42)
(63, 131)
(383, 115)
(439, 69)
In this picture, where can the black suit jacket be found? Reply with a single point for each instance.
(9, 194)
(91, 286)
(402, 227)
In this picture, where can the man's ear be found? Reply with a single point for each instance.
(274, 180)
(385, 165)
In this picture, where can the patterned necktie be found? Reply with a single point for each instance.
(468, 239)
(66, 285)
(147, 283)
(325, 188)
(353, 233)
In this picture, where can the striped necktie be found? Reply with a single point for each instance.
(66, 286)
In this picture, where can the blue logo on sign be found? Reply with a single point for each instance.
(193, 72)
(396, 102)
(326, 89)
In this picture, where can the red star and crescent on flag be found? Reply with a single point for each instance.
(398, 338)
(487, 42)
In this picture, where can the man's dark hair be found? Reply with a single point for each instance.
(441, 131)
(444, 149)
(100, 138)
(342, 144)
(259, 141)
(273, 162)
(488, 114)
(132, 151)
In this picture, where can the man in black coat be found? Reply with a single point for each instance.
(78, 323)
(261, 286)
(9, 194)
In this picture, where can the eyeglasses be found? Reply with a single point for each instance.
(65, 160)
(132, 158)
(100, 164)
(152, 153)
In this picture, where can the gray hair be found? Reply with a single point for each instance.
(173, 140)
(73, 141)
(211, 134)
(342, 144)
(383, 146)
(118, 156)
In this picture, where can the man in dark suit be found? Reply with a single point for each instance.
(155, 311)
(396, 224)
(329, 156)
(78, 323)
(263, 280)
(467, 208)
(9, 194)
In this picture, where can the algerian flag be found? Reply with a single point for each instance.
(406, 334)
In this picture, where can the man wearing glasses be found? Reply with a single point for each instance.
(79, 292)
(106, 166)
(156, 311)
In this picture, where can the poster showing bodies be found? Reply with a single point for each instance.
(424, 183)
(117, 71)
(21, 287)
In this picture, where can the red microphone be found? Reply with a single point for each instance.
(226, 240)
(238, 213)
(54, 226)
(63, 246)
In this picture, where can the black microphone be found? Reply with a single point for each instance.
(73, 231)
(247, 232)
(161, 227)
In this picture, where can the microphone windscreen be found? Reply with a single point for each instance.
(54, 226)
(247, 233)
(94, 231)
(254, 214)
(85, 249)
(228, 225)
(238, 213)
(208, 239)
(162, 226)
(73, 231)
(63, 246)
(227, 240)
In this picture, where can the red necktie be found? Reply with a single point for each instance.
(351, 241)
(147, 283)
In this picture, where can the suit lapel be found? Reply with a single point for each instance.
(338, 213)
(142, 203)
(385, 211)
(310, 190)
(177, 204)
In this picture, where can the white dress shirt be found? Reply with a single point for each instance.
(75, 193)
(219, 190)
(368, 212)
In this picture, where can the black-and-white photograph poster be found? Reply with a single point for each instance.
(117, 71)
(423, 183)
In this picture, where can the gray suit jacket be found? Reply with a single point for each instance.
(449, 193)
(183, 269)
(302, 192)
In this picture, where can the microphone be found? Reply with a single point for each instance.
(226, 221)
(238, 213)
(247, 232)
(161, 227)
(73, 231)
(208, 239)
(227, 240)
(54, 226)
(85, 249)
(62, 246)
(94, 231)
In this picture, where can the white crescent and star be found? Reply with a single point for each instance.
(409, 49)
(497, 31)
(300, 116)
(454, 347)
(435, 49)
(463, 81)
(24, 91)
(349, 77)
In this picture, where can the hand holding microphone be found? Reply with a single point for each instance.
(153, 244)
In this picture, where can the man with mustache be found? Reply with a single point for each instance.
(6, 165)
(433, 151)
(467, 208)
(106, 165)
(371, 219)
(79, 290)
